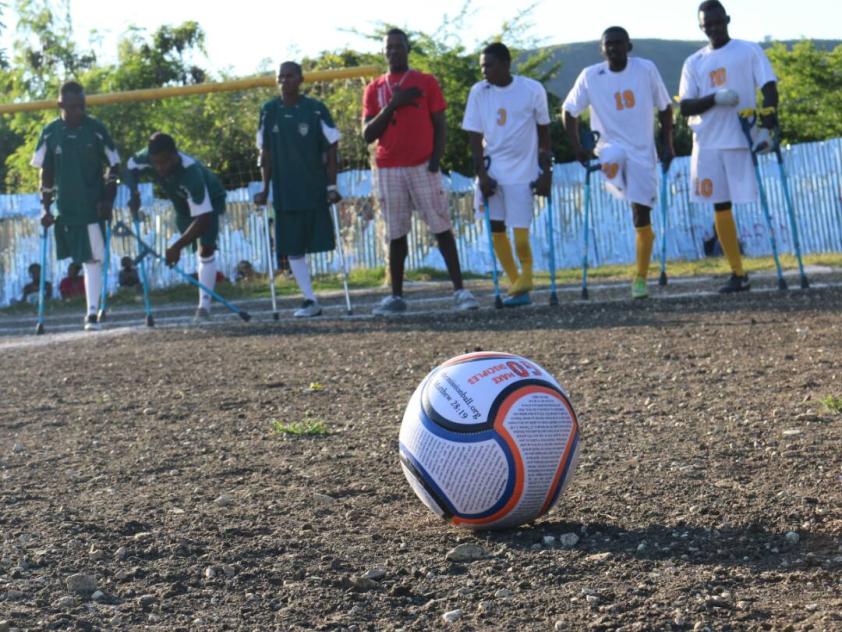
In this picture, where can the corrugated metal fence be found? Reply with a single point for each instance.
(814, 173)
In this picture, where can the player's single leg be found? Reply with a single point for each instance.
(206, 271)
(93, 276)
(726, 232)
(503, 250)
(644, 239)
(463, 300)
(301, 271)
(396, 204)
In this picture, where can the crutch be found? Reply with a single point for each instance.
(106, 264)
(588, 141)
(42, 284)
(551, 237)
(342, 260)
(747, 121)
(498, 300)
(663, 200)
(270, 262)
(790, 207)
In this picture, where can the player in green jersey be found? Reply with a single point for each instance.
(198, 198)
(79, 168)
(297, 139)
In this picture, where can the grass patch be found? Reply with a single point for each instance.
(833, 404)
(303, 428)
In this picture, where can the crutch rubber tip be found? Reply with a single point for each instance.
(150, 322)
(663, 280)
(498, 302)
(349, 312)
(100, 315)
(275, 316)
(39, 329)
(585, 293)
(245, 316)
(805, 284)
(553, 300)
(782, 284)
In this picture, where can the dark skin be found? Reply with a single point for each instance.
(72, 108)
(396, 50)
(289, 85)
(714, 24)
(497, 72)
(615, 49)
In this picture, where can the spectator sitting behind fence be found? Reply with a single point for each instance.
(128, 273)
(245, 272)
(73, 284)
(30, 290)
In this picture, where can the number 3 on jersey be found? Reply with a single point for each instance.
(624, 99)
(501, 117)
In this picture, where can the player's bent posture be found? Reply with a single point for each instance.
(73, 153)
(508, 124)
(623, 92)
(716, 83)
(297, 139)
(198, 198)
(403, 111)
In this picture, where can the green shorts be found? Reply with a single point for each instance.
(74, 242)
(207, 238)
(300, 232)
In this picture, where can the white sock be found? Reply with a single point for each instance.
(93, 284)
(207, 277)
(301, 272)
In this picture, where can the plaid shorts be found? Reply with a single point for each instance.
(404, 189)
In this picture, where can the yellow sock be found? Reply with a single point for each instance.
(524, 255)
(503, 250)
(645, 239)
(726, 230)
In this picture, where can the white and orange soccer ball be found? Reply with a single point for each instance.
(489, 440)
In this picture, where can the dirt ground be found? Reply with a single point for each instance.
(707, 496)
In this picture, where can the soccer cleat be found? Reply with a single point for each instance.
(736, 284)
(201, 316)
(390, 305)
(638, 288)
(463, 300)
(91, 323)
(517, 301)
(309, 308)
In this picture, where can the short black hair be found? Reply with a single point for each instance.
(33, 267)
(294, 64)
(616, 29)
(711, 5)
(397, 31)
(160, 143)
(71, 87)
(499, 51)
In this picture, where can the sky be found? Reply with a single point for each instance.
(243, 36)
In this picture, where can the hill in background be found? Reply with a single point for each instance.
(668, 55)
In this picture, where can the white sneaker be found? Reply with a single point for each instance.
(92, 323)
(390, 305)
(463, 300)
(308, 309)
(201, 316)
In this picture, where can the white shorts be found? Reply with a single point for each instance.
(512, 204)
(97, 244)
(722, 175)
(628, 179)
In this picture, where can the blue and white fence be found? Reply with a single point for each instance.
(814, 173)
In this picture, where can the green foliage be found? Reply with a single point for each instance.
(304, 428)
(833, 404)
(810, 89)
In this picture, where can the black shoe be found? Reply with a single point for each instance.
(91, 323)
(736, 284)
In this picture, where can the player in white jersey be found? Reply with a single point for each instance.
(622, 93)
(508, 124)
(717, 82)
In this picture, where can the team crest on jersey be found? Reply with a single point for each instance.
(58, 150)
(303, 128)
(276, 130)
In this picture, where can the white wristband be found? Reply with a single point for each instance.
(332, 187)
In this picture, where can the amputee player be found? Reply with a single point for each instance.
(403, 111)
(79, 168)
(198, 199)
(298, 139)
(717, 82)
(623, 93)
(508, 124)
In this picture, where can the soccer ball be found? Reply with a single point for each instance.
(489, 440)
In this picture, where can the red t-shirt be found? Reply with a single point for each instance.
(408, 140)
(68, 288)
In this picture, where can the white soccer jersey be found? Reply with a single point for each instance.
(739, 66)
(507, 118)
(622, 104)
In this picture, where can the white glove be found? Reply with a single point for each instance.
(761, 140)
(726, 96)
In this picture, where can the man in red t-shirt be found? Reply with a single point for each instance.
(403, 111)
(73, 284)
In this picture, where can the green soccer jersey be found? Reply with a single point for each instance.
(297, 138)
(192, 188)
(78, 157)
